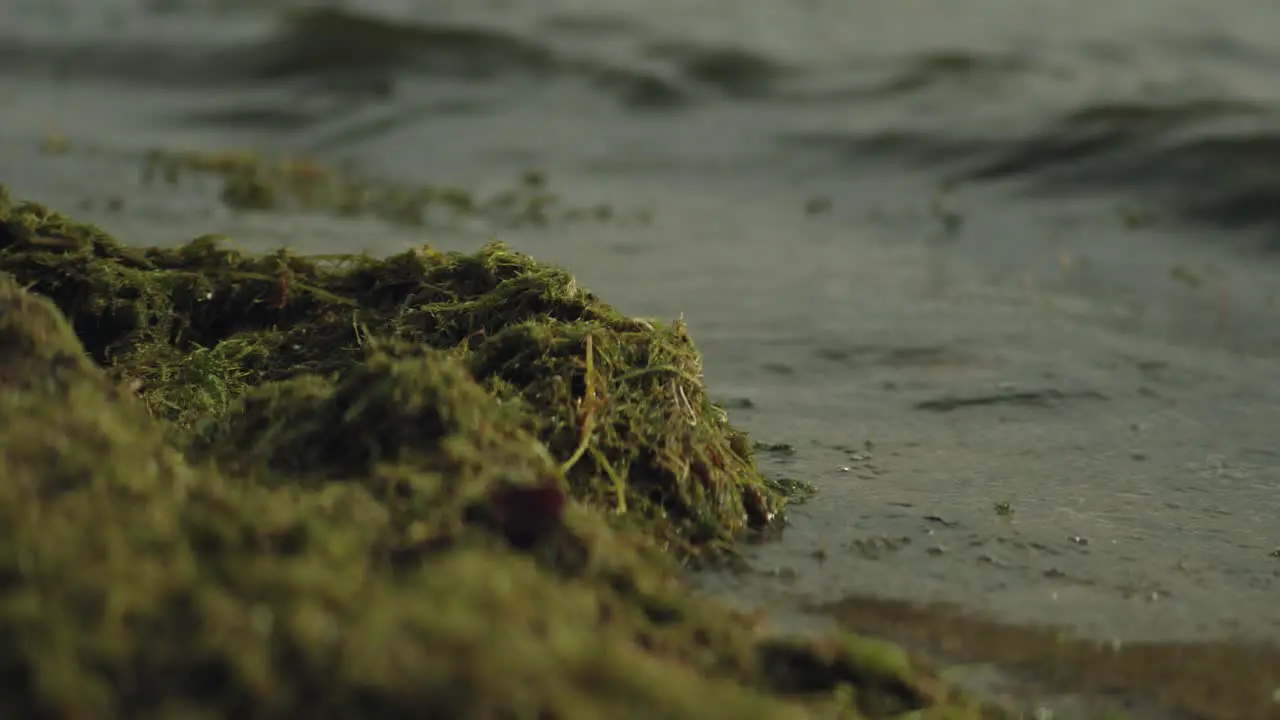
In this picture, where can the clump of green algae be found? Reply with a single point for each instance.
(252, 182)
(273, 486)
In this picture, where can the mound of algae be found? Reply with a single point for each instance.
(276, 487)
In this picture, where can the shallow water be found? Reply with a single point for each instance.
(1016, 254)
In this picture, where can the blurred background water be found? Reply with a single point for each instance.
(1172, 101)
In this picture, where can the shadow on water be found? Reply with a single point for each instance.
(1218, 680)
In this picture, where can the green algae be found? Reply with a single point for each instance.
(251, 182)
(354, 503)
(194, 328)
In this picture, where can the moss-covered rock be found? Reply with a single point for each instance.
(401, 519)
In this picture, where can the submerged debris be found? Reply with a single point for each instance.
(376, 493)
(251, 182)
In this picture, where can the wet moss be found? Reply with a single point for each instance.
(194, 328)
(354, 504)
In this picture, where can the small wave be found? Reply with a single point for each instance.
(1104, 131)
(1165, 151)
(912, 146)
(329, 40)
(311, 58)
(589, 25)
(1062, 149)
(141, 61)
(951, 68)
(1209, 161)
(735, 72)
(1245, 168)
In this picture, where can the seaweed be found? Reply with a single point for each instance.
(355, 504)
(194, 328)
(250, 182)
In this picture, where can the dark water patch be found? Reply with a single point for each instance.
(1160, 152)
(921, 356)
(777, 368)
(341, 44)
(383, 123)
(1165, 152)
(852, 148)
(324, 41)
(1229, 181)
(589, 25)
(641, 90)
(1246, 168)
(736, 72)
(963, 69)
(1106, 133)
(380, 121)
(1100, 133)
(967, 76)
(1105, 129)
(259, 117)
(149, 62)
(1222, 47)
(1229, 679)
(1026, 398)
(311, 58)
(336, 45)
